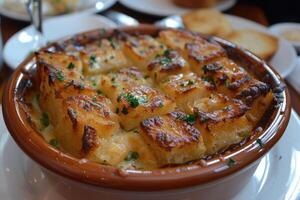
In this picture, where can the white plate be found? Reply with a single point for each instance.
(280, 28)
(19, 46)
(18, 10)
(285, 58)
(277, 176)
(167, 7)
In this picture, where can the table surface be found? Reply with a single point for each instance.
(252, 12)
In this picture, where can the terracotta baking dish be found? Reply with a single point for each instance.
(215, 171)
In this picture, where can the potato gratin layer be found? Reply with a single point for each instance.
(135, 101)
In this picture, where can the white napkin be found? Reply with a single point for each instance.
(294, 77)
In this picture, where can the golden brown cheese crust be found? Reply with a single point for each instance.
(186, 90)
(103, 57)
(172, 139)
(167, 64)
(135, 101)
(72, 106)
(142, 49)
(133, 98)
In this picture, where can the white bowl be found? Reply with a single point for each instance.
(280, 28)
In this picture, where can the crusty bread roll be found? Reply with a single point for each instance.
(195, 3)
(261, 44)
(207, 21)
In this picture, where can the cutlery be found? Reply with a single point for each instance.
(121, 19)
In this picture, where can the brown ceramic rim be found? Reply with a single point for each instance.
(167, 178)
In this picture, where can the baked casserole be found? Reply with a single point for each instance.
(136, 101)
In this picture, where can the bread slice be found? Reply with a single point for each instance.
(173, 138)
(207, 21)
(133, 98)
(261, 44)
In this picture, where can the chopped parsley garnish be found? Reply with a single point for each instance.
(81, 86)
(133, 100)
(191, 119)
(54, 143)
(94, 99)
(231, 162)
(93, 60)
(164, 61)
(94, 83)
(260, 143)
(211, 68)
(161, 104)
(167, 52)
(209, 79)
(60, 76)
(190, 82)
(71, 65)
(146, 76)
(124, 111)
(111, 57)
(112, 42)
(132, 155)
(45, 120)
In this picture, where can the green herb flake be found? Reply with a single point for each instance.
(191, 119)
(161, 104)
(112, 42)
(167, 52)
(94, 99)
(260, 143)
(71, 66)
(133, 100)
(132, 155)
(81, 86)
(94, 83)
(54, 143)
(165, 61)
(209, 79)
(190, 82)
(231, 162)
(60, 76)
(92, 60)
(45, 120)
(146, 77)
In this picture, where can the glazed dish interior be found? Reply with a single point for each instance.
(148, 101)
